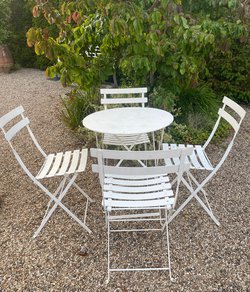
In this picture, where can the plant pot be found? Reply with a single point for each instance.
(6, 61)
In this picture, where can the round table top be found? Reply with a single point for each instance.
(128, 120)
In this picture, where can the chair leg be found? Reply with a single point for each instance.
(57, 202)
(207, 207)
(168, 246)
(60, 187)
(197, 184)
(194, 193)
(108, 229)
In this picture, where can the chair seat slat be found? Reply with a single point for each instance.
(194, 161)
(136, 182)
(134, 177)
(168, 161)
(192, 158)
(138, 196)
(56, 164)
(46, 167)
(137, 189)
(138, 204)
(125, 139)
(176, 160)
(133, 216)
(83, 160)
(65, 163)
(74, 162)
(203, 158)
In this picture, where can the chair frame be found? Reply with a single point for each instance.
(205, 163)
(125, 100)
(133, 174)
(127, 141)
(65, 184)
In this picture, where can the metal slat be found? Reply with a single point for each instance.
(125, 139)
(126, 100)
(123, 90)
(56, 164)
(133, 216)
(138, 171)
(233, 105)
(133, 182)
(46, 167)
(135, 204)
(10, 116)
(65, 163)
(137, 189)
(134, 177)
(168, 161)
(175, 159)
(203, 159)
(83, 160)
(138, 155)
(137, 197)
(194, 161)
(231, 120)
(74, 161)
(16, 128)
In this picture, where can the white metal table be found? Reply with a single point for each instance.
(128, 121)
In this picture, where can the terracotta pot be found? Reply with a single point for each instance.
(6, 60)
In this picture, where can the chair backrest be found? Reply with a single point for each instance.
(119, 96)
(137, 170)
(11, 124)
(229, 110)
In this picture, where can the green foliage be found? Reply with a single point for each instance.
(163, 97)
(199, 101)
(172, 46)
(20, 18)
(179, 132)
(4, 20)
(147, 41)
(230, 72)
(76, 106)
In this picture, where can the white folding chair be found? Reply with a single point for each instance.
(139, 194)
(200, 161)
(67, 164)
(126, 96)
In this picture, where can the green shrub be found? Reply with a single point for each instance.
(76, 106)
(163, 98)
(199, 102)
(183, 134)
(4, 20)
(177, 48)
(18, 21)
(230, 72)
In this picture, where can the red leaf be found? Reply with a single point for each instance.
(75, 16)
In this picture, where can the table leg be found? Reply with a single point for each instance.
(161, 139)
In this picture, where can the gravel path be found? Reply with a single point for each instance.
(204, 257)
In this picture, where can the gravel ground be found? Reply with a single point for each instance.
(204, 257)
